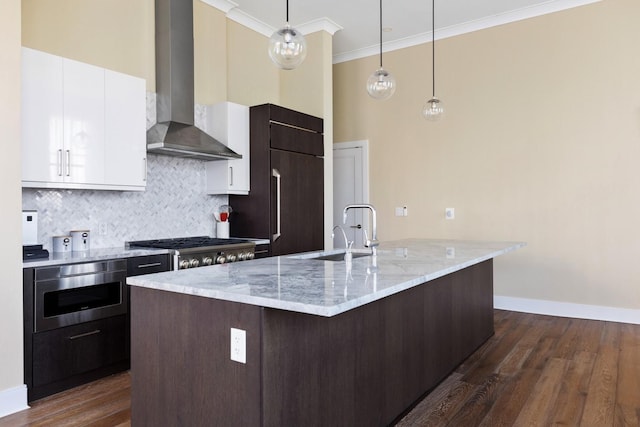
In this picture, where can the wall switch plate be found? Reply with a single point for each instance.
(405, 211)
(449, 213)
(239, 345)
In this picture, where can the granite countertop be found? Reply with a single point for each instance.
(327, 288)
(57, 258)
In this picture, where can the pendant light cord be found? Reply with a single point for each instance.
(287, 11)
(433, 46)
(380, 33)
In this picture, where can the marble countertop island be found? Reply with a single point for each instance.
(302, 284)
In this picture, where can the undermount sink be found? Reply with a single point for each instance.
(340, 256)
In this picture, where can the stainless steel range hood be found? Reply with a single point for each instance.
(175, 133)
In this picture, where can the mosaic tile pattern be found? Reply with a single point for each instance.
(174, 204)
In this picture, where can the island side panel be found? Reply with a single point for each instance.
(368, 365)
(181, 372)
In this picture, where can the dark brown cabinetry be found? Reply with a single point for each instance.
(363, 367)
(58, 358)
(286, 200)
(147, 264)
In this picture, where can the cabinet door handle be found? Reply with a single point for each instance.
(276, 175)
(230, 176)
(59, 162)
(86, 334)
(68, 162)
(153, 264)
(144, 169)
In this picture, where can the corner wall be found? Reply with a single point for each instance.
(540, 144)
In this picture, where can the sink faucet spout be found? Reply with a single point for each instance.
(374, 234)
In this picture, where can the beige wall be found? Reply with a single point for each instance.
(11, 365)
(252, 77)
(210, 54)
(541, 143)
(114, 34)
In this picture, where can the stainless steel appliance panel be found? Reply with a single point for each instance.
(77, 293)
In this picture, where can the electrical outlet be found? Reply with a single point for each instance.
(239, 345)
(399, 211)
(451, 253)
(103, 229)
(449, 213)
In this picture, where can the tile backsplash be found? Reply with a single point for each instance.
(174, 204)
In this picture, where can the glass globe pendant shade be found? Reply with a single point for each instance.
(381, 84)
(287, 48)
(433, 110)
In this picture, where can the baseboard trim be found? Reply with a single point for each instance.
(13, 400)
(566, 309)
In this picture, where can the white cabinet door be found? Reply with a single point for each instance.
(125, 137)
(229, 123)
(42, 117)
(82, 126)
(83, 122)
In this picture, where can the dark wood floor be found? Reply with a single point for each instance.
(535, 371)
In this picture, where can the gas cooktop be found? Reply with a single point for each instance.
(185, 242)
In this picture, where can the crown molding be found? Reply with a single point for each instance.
(223, 5)
(464, 28)
(236, 14)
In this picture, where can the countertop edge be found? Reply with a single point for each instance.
(314, 309)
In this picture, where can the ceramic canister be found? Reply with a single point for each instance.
(80, 240)
(222, 230)
(61, 243)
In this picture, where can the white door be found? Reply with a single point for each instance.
(350, 185)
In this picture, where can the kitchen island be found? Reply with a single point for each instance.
(327, 342)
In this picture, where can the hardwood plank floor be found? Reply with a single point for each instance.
(535, 371)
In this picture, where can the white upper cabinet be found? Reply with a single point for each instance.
(229, 123)
(42, 117)
(125, 112)
(82, 126)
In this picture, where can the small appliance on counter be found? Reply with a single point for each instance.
(61, 244)
(30, 252)
(29, 228)
(30, 247)
(80, 240)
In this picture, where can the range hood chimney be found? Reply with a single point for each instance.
(175, 133)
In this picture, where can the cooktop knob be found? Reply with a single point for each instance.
(242, 256)
(207, 260)
(251, 255)
(231, 257)
(221, 259)
(194, 262)
(184, 264)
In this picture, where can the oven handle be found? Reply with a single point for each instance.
(276, 174)
(86, 334)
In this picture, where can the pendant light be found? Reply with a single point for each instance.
(381, 84)
(434, 108)
(287, 46)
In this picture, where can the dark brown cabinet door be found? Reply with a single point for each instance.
(297, 202)
(285, 149)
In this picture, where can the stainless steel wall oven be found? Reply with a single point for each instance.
(76, 293)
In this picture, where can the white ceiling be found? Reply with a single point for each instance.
(356, 22)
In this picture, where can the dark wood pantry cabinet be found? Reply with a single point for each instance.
(286, 200)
